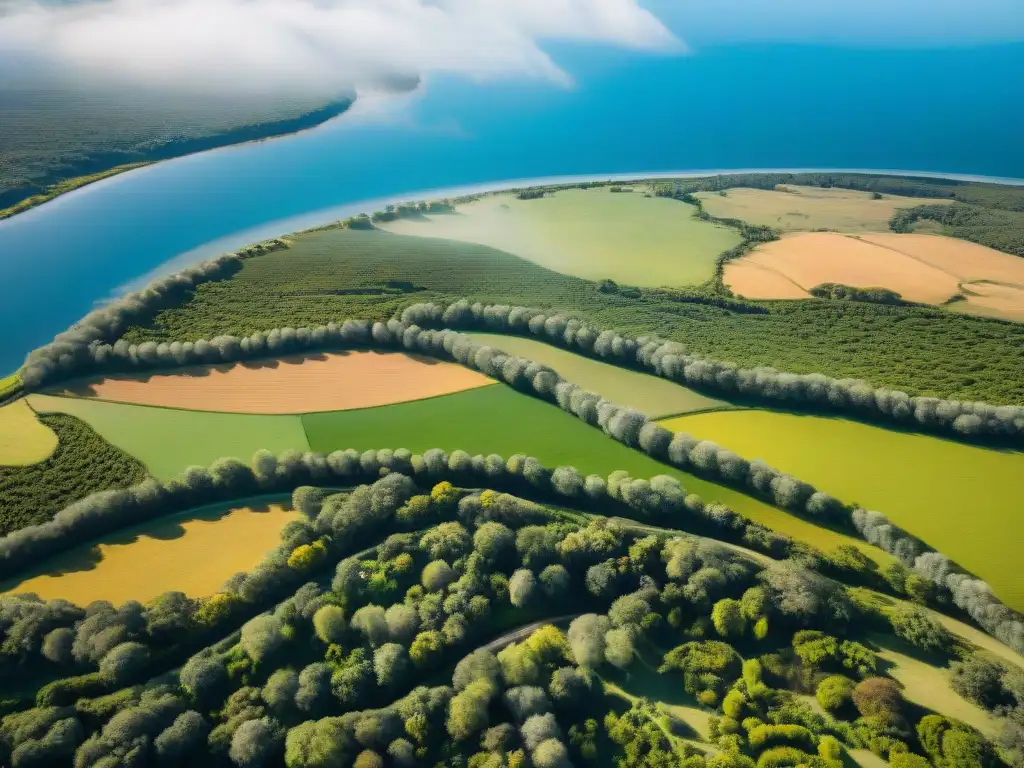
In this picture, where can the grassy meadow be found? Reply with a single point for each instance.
(587, 233)
(960, 499)
(654, 396)
(23, 438)
(167, 440)
(503, 421)
(804, 209)
(194, 552)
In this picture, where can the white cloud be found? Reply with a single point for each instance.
(264, 46)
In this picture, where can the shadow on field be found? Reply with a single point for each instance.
(88, 556)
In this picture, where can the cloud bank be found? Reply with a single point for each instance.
(300, 46)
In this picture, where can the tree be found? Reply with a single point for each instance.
(538, 729)
(878, 697)
(280, 689)
(479, 665)
(57, 645)
(255, 743)
(569, 688)
(203, 678)
(587, 639)
(317, 744)
(123, 662)
(315, 684)
(185, 736)
(447, 541)
(551, 753)
(521, 587)
(920, 628)
(261, 637)
(368, 759)
(979, 680)
(628, 610)
(329, 624)
(390, 662)
(402, 621)
(426, 649)
(437, 575)
(834, 693)
(728, 618)
(371, 620)
(619, 647)
(554, 581)
(526, 700)
(495, 542)
(467, 711)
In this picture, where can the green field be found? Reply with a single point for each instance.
(652, 395)
(593, 234)
(960, 499)
(168, 440)
(500, 420)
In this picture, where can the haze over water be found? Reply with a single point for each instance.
(754, 106)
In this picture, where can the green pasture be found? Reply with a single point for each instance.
(168, 440)
(590, 233)
(654, 396)
(962, 500)
(503, 421)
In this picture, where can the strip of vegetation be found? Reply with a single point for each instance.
(65, 186)
(626, 425)
(840, 292)
(999, 229)
(69, 159)
(10, 387)
(296, 686)
(82, 464)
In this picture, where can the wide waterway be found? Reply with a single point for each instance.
(945, 111)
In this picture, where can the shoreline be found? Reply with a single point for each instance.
(75, 183)
(323, 216)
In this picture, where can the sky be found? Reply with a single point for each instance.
(327, 46)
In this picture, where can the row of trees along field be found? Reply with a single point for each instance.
(334, 674)
(623, 424)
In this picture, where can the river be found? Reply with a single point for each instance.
(728, 107)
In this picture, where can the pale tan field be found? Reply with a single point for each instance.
(811, 258)
(24, 439)
(300, 384)
(189, 553)
(929, 686)
(992, 281)
(802, 209)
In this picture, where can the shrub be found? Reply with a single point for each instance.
(878, 697)
(834, 693)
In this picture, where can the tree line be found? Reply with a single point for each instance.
(625, 425)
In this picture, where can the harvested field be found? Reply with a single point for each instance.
(922, 483)
(654, 396)
(991, 281)
(194, 552)
(811, 258)
(167, 440)
(803, 209)
(297, 384)
(24, 439)
(503, 421)
(593, 234)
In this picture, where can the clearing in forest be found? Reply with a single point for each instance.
(654, 396)
(804, 209)
(296, 384)
(503, 421)
(24, 439)
(194, 552)
(807, 259)
(593, 234)
(168, 440)
(922, 483)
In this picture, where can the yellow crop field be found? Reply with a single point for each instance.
(24, 439)
(194, 552)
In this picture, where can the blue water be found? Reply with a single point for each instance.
(956, 111)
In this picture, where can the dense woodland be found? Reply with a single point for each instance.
(82, 463)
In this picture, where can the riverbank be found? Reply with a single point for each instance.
(35, 196)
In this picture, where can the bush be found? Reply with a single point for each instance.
(834, 693)
(878, 697)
